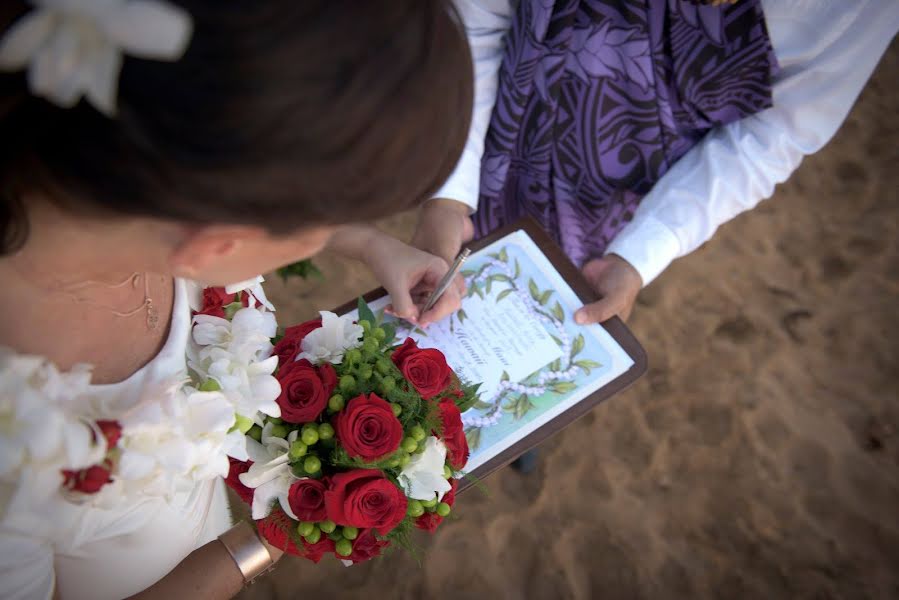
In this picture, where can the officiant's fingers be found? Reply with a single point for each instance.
(600, 311)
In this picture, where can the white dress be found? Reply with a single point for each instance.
(170, 498)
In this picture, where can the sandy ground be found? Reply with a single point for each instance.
(759, 458)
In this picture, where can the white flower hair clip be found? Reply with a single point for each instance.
(74, 48)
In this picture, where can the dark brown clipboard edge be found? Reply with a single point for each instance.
(614, 326)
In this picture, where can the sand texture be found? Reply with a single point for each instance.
(758, 458)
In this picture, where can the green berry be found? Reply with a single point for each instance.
(415, 509)
(210, 385)
(309, 436)
(243, 423)
(327, 526)
(255, 432)
(312, 464)
(429, 503)
(383, 366)
(347, 383)
(396, 408)
(379, 333)
(280, 431)
(336, 403)
(352, 356)
(314, 537)
(350, 533)
(409, 445)
(364, 324)
(305, 529)
(447, 472)
(405, 459)
(344, 547)
(443, 509)
(417, 433)
(388, 384)
(394, 462)
(365, 372)
(325, 431)
(298, 449)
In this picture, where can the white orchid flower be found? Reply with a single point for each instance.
(74, 48)
(253, 287)
(329, 342)
(176, 435)
(423, 477)
(270, 475)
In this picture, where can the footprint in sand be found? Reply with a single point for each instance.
(738, 330)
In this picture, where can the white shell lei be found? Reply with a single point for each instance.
(173, 434)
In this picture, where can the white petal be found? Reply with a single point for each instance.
(256, 451)
(150, 29)
(135, 465)
(58, 72)
(242, 285)
(24, 38)
(283, 499)
(235, 445)
(103, 83)
(262, 473)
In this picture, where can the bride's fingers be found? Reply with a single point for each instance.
(448, 303)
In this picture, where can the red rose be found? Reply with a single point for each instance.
(307, 500)
(233, 479)
(365, 498)
(316, 551)
(366, 546)
(89, 480)
(289, 346)
(215, 299)
(453, 434)
(430, 520)
(367, 428)
(274, 529)
(305, 391)
(425, 369)
(112, 431)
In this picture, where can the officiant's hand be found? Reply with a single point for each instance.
(617, 282)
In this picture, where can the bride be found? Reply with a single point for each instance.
(148, 150)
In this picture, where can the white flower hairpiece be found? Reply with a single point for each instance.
(74, 48)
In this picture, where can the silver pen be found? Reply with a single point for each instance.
(447, 280)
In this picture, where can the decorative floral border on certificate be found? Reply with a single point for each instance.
(558, 377)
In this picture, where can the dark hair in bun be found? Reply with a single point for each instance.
(281, 113)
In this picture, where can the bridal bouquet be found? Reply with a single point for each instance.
(368, 444)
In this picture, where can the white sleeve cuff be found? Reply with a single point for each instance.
(649, 246)
(464, 184)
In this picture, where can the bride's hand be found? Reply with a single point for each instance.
(408, 274)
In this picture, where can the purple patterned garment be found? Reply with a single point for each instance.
(598, 98)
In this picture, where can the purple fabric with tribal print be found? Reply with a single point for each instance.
(598, 98)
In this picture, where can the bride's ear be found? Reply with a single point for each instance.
(205, 246)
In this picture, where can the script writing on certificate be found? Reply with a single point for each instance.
(516, 334)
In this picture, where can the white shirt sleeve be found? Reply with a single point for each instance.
(486, 24)
(827, 51)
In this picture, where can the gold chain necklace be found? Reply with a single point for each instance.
(152, 318)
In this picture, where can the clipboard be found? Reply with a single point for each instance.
(614, 326)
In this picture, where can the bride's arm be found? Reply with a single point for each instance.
(408, 274)
(207, 572)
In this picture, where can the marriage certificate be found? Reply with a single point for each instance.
(516, 335)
